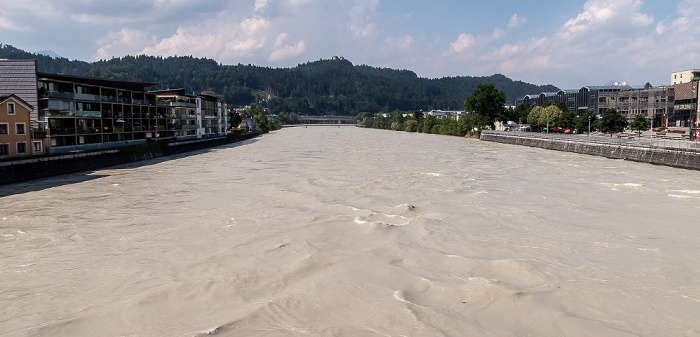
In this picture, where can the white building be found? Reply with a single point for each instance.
(685, 76)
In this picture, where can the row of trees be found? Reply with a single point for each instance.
(486, 106)
(418, 122)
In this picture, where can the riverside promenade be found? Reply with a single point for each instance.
(676, 152)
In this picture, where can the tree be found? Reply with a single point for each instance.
(639, 124)
(533, 117)
(612, 121)
(648, 86)
(567, 120)
(235, 119)
(521, 111)
(581, 122)
(562, 106)
(488, 103)
(262, 125)
(552, 114)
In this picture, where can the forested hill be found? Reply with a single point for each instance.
(332, 87)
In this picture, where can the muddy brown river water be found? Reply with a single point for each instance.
(343, 231)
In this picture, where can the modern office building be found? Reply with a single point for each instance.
(654, 103)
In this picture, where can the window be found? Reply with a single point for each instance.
(20, 128)
(4, 128)
(21, 147)
(38, 146)
(4, 149)
(10, 108)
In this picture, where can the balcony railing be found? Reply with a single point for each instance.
(63, 95)
(88, 97)
(183, 116)
(88, 130)
(88, 113)
(181, 104)
(186, 127)
(61, 131)
(61, 113)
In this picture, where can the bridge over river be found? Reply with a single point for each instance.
(322, 120)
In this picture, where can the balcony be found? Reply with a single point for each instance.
(88, 97)
(88, 130)
(61, 131)
(183, 116)
(62, 95)
(88, 113)
(186, 127)
(183, 105)
(61, 113)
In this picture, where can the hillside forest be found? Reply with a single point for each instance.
(324, 87)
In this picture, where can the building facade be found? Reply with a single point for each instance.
(654, 104)
(18, 77)
(93, 114)
(194, 116)
(17, 138)
(685, 76)
(686, 108)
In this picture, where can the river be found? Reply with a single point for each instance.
(343, 231)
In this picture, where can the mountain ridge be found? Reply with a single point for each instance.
(327, 86)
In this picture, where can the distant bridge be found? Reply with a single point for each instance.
(327, 120)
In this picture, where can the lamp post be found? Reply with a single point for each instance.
(651, 132)
(547, 123)
(589, 128)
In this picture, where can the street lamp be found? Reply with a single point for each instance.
(589, 128)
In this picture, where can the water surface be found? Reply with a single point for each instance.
(326, 231)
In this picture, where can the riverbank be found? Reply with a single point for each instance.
(18, 170)
(679, 157)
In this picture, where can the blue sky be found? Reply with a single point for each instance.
(565, 43)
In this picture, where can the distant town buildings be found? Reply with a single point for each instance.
(673, 105)
(70, 113)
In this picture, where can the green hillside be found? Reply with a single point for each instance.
(327, 87)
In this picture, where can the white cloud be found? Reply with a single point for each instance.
(468, 42)
(516, 21)
(125, 41)
(463, 42)
(287, 51)
(260, 4)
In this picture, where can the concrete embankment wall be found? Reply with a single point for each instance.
(40, 167)
(680, 158)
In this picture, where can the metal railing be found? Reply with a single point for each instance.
(624, 139)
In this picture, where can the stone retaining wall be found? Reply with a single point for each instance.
(680, 158)
(12, 171)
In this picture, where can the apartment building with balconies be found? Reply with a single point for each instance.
(91, 114)
(194, 116)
